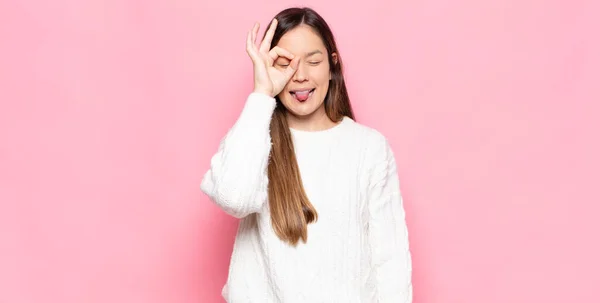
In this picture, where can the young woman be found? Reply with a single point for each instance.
(317, 192)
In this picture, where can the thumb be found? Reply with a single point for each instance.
(292, 68)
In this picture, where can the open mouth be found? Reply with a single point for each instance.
(302, 95)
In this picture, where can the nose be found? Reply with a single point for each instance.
(300, 75)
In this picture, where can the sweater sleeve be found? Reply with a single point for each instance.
(237, 178)
(388, 233)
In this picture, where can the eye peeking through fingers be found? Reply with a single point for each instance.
(283, 62)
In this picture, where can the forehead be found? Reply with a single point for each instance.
(301, 40)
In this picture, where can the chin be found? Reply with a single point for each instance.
(301, 110)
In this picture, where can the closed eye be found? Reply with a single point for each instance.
(314, 62)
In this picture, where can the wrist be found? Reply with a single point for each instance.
(263, 91)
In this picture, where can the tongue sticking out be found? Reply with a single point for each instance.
(302, 95)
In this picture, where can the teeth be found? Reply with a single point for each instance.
(301, 91)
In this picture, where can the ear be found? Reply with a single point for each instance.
(334, 58)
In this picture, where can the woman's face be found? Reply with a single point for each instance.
(305, 93)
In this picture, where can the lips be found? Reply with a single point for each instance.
(302, 94)
(306, 91)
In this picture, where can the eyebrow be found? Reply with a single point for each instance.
(314, 53)
(307, 55)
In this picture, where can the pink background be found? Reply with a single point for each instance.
(110, 111)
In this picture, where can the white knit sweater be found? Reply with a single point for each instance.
(358, 249)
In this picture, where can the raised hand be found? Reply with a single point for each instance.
(267, 78)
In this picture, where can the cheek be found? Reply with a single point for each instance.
(321, 75)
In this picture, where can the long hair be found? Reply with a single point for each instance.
(290, 208)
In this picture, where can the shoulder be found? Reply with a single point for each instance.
(367, 135)
(373, 142)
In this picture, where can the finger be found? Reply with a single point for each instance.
(292, 68)
(255, 32)
(266, 43)
(250, 47)
(250, 44)
(277, 52)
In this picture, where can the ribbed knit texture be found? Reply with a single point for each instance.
(358, 249)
